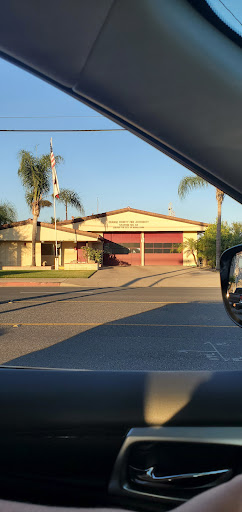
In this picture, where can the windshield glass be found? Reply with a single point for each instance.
(126, 279)
(230, 12)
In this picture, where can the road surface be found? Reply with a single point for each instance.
(118, 329)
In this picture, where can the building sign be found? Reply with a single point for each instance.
(127, 224)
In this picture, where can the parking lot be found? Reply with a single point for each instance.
(118, 329)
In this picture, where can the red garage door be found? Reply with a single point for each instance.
(122, 249)
(161, 248)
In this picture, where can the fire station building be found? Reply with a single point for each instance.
(127, 236)
(137, 237)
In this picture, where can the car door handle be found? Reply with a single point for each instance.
(185, 481)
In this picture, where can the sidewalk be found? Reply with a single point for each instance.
(134, 277)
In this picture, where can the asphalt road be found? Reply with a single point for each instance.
(118, 329)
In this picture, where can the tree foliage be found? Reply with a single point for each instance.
(189, 183)
(52, 220)
(70, 198)
(7, 213)
(189, 246)
(230, 235)
(236, 229)
(91, 254)
(35, 175)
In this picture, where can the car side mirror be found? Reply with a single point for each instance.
(231, 282)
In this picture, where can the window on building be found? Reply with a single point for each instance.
(124, 248)
(161, 248)
(48, 249)
(132, 247)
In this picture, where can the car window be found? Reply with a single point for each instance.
(135, 244)
(230, 12)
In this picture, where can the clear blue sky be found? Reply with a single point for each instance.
(117, 167)
(230, 11)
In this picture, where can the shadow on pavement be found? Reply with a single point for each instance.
(70, 295)
(164, 274)
(189, 336)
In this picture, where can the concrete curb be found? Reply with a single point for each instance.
(101, 286)
(26, 283)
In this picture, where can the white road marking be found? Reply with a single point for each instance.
(214, 354)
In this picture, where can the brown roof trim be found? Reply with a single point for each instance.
(128, 209)
(51, 226)
(68, 230)
(64, 222)
(15, 224)
(97, 216)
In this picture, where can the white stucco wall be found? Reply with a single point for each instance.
(18, 253)
(131, 221)
(69, 254)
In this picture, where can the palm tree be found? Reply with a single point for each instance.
(69, 197)
(189, 246)
(192, 182)
(7, 213)
(35, 174)
(52, 220)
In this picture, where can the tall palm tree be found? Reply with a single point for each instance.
(7, 213)
(35, 175)
(189, 183)
(69, 197)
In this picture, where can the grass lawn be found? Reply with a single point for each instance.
(43, 274)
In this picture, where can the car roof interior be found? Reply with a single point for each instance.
(170, 72)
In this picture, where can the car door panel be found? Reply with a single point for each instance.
(62, 432)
